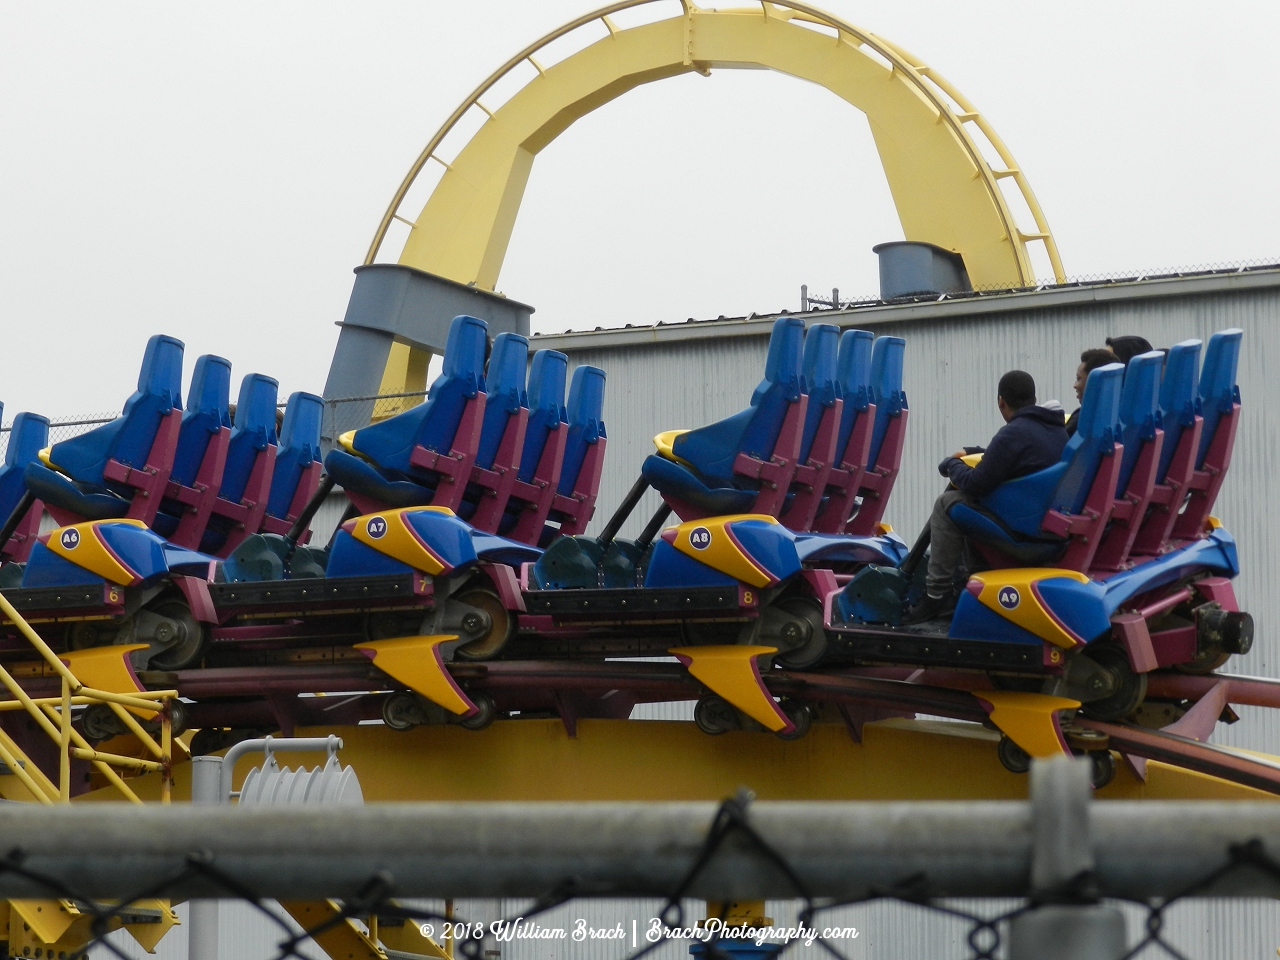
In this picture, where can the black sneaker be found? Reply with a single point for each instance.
(929, 608)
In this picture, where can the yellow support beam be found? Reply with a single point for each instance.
(344, 940)
(532, 760)
(945, 189)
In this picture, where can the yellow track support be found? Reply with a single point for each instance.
(344, 939)
(533, 760)
(927, 134)
(56, 928)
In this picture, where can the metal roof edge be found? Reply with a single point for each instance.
(1005, 302)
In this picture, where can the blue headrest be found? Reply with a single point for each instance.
(821, 345)
(886, 388)
(1178, 400)
(464, 353)
(1138, 412)
(129, 437)
(1218, 390)
(547, 375)
(161, 373)
(254, 430)
(299, 447)
(586, 407)
(546, 406)
(586, 401)
(27, 437)
(504, 393)
(300, 431)
(256, 409)
(784, 364)
(1094, 437)
(211, 388)
(853, 368)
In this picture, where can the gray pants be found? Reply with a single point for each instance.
(947, 545)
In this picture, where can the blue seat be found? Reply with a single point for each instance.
(208, 411)
(1011, 517)
(1219, 397)
(28, 435)
(541, 459)
(506, 415)
(853, 379)
(1178, 396)
(888, 431)
(586, 423)
(818, 370)
(700, 461)
(128, 438)
(254, 431)
(505, 393)
(821, 424)
(79, 485)
(202, 437)
(853, 432)
(1218, 390)
(712, 450)
(886, 390)
(246, 478)
(547, 375)
(583, 453)
(298, 449)
(434, 423)
(1139, 413)
(372, 489)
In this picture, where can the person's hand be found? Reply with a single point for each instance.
(960, 454)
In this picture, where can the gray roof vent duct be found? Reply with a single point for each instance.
(909, 268)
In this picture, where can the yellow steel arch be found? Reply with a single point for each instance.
(944, 189)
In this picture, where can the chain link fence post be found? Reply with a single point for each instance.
(1066, 922)
(202, 915)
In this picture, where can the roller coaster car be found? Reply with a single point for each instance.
(1105, 566)
(191, 476)
(410, 571)
(508, 459)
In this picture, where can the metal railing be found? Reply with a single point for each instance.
(1059, 853)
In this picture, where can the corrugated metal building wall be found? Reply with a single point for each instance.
(686, 375)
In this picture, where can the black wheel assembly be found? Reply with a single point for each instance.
(715, 715)
(1128, 688)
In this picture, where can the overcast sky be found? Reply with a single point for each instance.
(215, 170)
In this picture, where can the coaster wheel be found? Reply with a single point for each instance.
(807, 652)
(1102, 768)
(1129, 689)
(1012, 757)
(715, 715)
(486, 713)
(801, 717)
(401, 711)
(502, 624)
(184, 641)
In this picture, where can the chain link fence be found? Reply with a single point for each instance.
(1060, 854)
(816, 928)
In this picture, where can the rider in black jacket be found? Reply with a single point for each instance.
(1032, 438)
